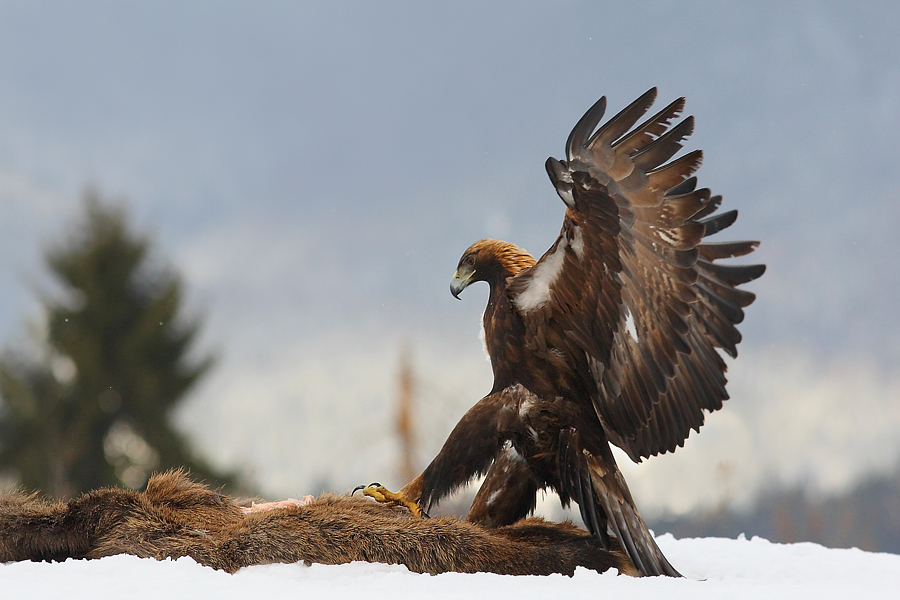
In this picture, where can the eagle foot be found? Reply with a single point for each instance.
(385, 496)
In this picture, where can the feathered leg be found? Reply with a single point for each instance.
(508, 493)
(467, 453)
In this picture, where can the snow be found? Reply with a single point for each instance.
(714, 568)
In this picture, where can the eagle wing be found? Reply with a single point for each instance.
(629, 292)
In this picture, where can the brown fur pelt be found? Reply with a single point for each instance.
(178, 517)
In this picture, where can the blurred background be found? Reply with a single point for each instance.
(309, 174)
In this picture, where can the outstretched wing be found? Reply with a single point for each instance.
(630, 291)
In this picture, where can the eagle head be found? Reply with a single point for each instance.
(489, 260)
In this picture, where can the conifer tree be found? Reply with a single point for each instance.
(92, 406)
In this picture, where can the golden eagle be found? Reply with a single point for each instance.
(612, 336)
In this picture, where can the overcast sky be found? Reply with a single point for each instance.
(316, 170)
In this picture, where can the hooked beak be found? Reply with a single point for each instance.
(458, 284)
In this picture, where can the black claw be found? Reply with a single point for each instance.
(362, 487)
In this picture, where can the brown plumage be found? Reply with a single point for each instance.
(177, 517)
(612, 336)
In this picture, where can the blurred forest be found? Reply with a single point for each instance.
(88, 403)
(866, 517)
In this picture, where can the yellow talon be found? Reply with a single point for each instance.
(385, 496)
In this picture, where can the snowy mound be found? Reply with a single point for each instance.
(714, 568)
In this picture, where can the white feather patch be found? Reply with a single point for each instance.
(629, 325)
(543, 274)
(511, 453)
(513, 456)
(525, 406)
(578, 243)
(666, 236)
(483, 337)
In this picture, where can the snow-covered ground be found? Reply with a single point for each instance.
(714, 568)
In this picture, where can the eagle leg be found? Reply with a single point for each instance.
(385, 496)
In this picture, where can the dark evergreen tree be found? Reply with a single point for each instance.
(93, 408)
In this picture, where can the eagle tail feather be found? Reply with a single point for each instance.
(581, 489)
(625, 521)
(605, 503)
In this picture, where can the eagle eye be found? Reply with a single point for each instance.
(470, 260)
